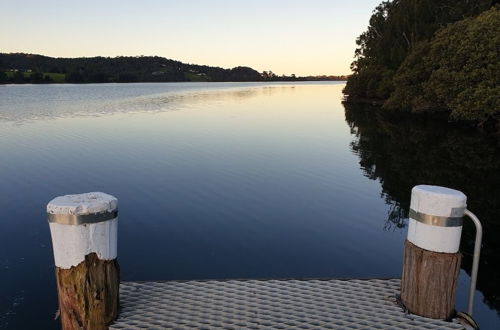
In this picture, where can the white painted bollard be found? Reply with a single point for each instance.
(436, 218)
(84, 238)
(431, 259)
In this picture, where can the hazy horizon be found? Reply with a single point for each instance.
(287, 37)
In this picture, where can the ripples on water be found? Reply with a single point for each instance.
(214, 180)
(41, 102)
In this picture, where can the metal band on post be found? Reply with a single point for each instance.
(435, 220)
(84, 230)
(80, 219)
(431, 260)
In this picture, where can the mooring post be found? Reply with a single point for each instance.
(84, 237)
(431, 259)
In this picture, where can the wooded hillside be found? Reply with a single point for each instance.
(31, 68)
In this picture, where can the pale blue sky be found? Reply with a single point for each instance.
(295, 36)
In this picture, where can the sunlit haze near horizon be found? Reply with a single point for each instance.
(300, 37)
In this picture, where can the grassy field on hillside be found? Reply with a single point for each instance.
(55, 77)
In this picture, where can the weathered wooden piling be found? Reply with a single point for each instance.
(84, 238)
(431, 259)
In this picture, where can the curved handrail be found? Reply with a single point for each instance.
(475, 260)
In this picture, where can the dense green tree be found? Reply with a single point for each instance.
(18, 77)
(268, 75)
(47, 79)
(395, 28)
(75, 77)
(98, 77)
(242, 73)
(457, 71)
(127, 77)
(36, 78)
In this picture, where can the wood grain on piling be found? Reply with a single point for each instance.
(88, 293)
(429, 281)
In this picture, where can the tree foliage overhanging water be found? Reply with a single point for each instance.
(421, 55)
(402, 152)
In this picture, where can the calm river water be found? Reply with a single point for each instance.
(230, 180)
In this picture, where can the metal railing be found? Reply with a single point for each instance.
(475, 260)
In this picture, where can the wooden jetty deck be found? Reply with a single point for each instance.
(268, 304)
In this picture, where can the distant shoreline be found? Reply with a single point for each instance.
(169, 82)
(20, 68)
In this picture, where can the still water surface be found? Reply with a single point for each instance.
(221, 180)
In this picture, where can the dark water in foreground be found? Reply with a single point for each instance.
(230, 181)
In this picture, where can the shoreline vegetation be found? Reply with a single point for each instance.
(434, 58)
(20, 68)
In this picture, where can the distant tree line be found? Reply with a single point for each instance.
(30, 68)
(271, 76)
(431, 56)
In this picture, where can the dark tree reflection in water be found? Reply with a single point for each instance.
(401, 152)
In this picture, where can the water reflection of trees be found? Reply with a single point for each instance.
(402, 152)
